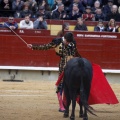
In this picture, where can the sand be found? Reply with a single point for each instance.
(37, 100)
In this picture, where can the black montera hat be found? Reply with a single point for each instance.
(69, 36)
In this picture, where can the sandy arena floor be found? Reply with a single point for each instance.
(37, 101)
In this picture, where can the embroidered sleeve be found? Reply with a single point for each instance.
(48, 46)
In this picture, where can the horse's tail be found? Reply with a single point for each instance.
(83, 96)
(84, 101)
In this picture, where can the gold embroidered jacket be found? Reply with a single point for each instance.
(65, 52)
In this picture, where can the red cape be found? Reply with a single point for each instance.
(101, 92)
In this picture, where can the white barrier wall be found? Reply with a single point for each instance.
(29, 75)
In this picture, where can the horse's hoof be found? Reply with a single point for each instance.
(81, 116)
(66, 115)
(61, 110)
(85, 118)
(72, 118)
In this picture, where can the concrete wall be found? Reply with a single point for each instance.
(30, 75)
(113, 77)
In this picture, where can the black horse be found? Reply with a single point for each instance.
(77, 81)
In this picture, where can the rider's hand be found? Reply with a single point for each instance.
(29, 46)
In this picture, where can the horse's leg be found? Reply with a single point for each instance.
(73, 97)
(85, 117)
(81, 110)
(66, 113)
(68, 101)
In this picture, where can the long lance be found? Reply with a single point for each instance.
(16, 34)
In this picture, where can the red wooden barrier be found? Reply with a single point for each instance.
(103, 50)
(100, 47)
(25, 32)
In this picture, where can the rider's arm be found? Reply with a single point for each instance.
(48, 46)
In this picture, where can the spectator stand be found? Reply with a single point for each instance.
(56, 25)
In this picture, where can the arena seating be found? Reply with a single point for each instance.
(56, 25)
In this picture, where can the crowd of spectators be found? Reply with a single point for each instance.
(79, 10)
(91, 10)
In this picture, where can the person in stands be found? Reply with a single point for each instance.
(112, 26)
(40, 23)
(80, 25)
(60, 14)
(75, 12)
(100, 26)
(26, 23)
(11, 23)
(65, 27)
(6, 8)
(88, 15)
(114, 14)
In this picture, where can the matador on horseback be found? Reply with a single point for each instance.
(65, 47)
